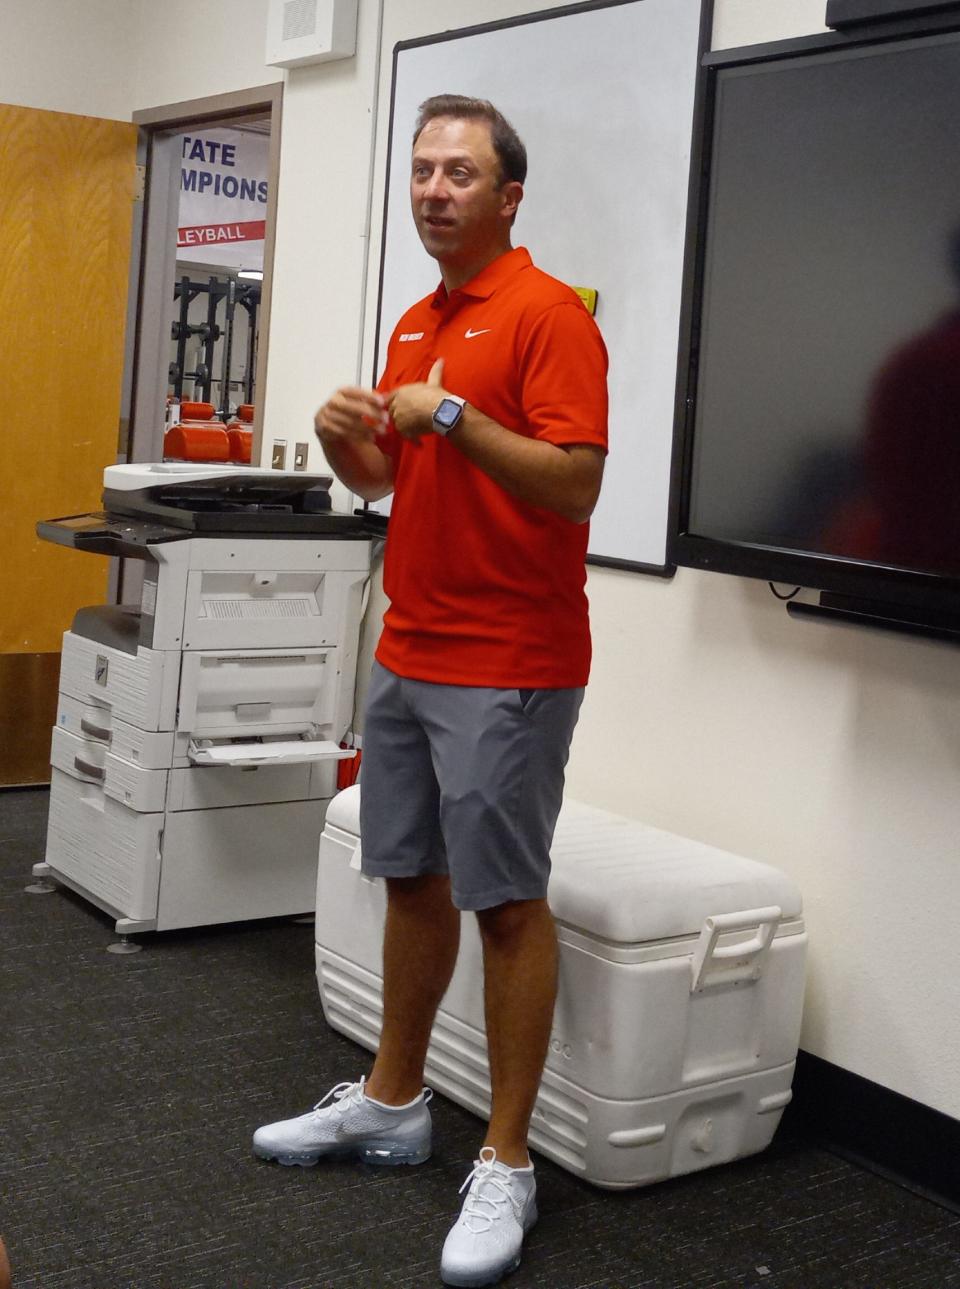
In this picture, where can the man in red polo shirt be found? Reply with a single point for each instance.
(489, 427)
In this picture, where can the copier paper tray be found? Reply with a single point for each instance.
(274, 752)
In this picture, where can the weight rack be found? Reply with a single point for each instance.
(232, 293)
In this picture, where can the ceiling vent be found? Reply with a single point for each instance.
(300, 32)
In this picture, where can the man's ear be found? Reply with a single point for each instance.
(512, 194)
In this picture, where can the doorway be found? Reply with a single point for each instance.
(203, 311)
(204, 292)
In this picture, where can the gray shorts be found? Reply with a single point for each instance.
(464, 780)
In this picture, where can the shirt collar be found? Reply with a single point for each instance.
(488, 280)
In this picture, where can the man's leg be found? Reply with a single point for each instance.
(500, 758)
(520, 988)
(420, 942)
(385, 1120)
(500, 794)
(402, 843)
(520, 980)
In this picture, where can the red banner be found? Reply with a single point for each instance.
(252, 230)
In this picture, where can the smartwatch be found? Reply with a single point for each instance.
(447, 414)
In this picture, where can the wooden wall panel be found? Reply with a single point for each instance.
(65, 218)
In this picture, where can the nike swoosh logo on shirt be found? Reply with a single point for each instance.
(470, 334)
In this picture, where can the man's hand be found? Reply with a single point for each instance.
(348, 427)
(351, 416)
(411, 407)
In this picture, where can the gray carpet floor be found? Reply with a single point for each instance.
(129, 1087)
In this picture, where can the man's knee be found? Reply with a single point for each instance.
(426, 890)
(512, 922)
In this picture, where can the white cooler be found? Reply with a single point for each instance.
(678, 1016)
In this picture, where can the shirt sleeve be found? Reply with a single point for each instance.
(564, 378)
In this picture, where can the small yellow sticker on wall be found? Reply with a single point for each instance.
(588, 295)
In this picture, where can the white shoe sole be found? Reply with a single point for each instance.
(384, 1154)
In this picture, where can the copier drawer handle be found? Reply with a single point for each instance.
(85, 767)
(95, 731)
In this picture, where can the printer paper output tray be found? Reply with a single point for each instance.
(251, 755)
(129, 535)
(145, 505)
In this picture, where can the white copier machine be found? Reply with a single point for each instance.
(198, 733)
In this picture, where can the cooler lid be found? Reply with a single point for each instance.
(628, 883)
(344, 810)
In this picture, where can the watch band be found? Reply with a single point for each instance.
(447, 413)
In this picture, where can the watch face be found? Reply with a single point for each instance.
(448, 413)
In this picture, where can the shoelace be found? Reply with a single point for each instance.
(341, 1097)
(483, 1175)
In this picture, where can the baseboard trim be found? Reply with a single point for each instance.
(888, 1133)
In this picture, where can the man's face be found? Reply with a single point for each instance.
(461, 209)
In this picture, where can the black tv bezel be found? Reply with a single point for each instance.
(880, 585)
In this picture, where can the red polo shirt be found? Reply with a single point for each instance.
(485, 589)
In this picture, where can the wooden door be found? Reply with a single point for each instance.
(66, 205)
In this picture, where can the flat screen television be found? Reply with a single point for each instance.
(819, 401)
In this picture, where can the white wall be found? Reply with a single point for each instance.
(110, 58)
(66, 57)
(187, 49)
(322, 239)
(830, 752)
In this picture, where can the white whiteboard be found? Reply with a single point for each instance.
(603, 98)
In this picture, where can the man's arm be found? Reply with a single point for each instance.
(348, 426)
(562, 479)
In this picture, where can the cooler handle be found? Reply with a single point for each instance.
(715, 964)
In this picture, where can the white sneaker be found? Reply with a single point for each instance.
(348, 1122)
(487, 1239)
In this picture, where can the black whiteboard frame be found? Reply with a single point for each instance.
(669, 567)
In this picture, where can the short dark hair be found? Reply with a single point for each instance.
(507, 144)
